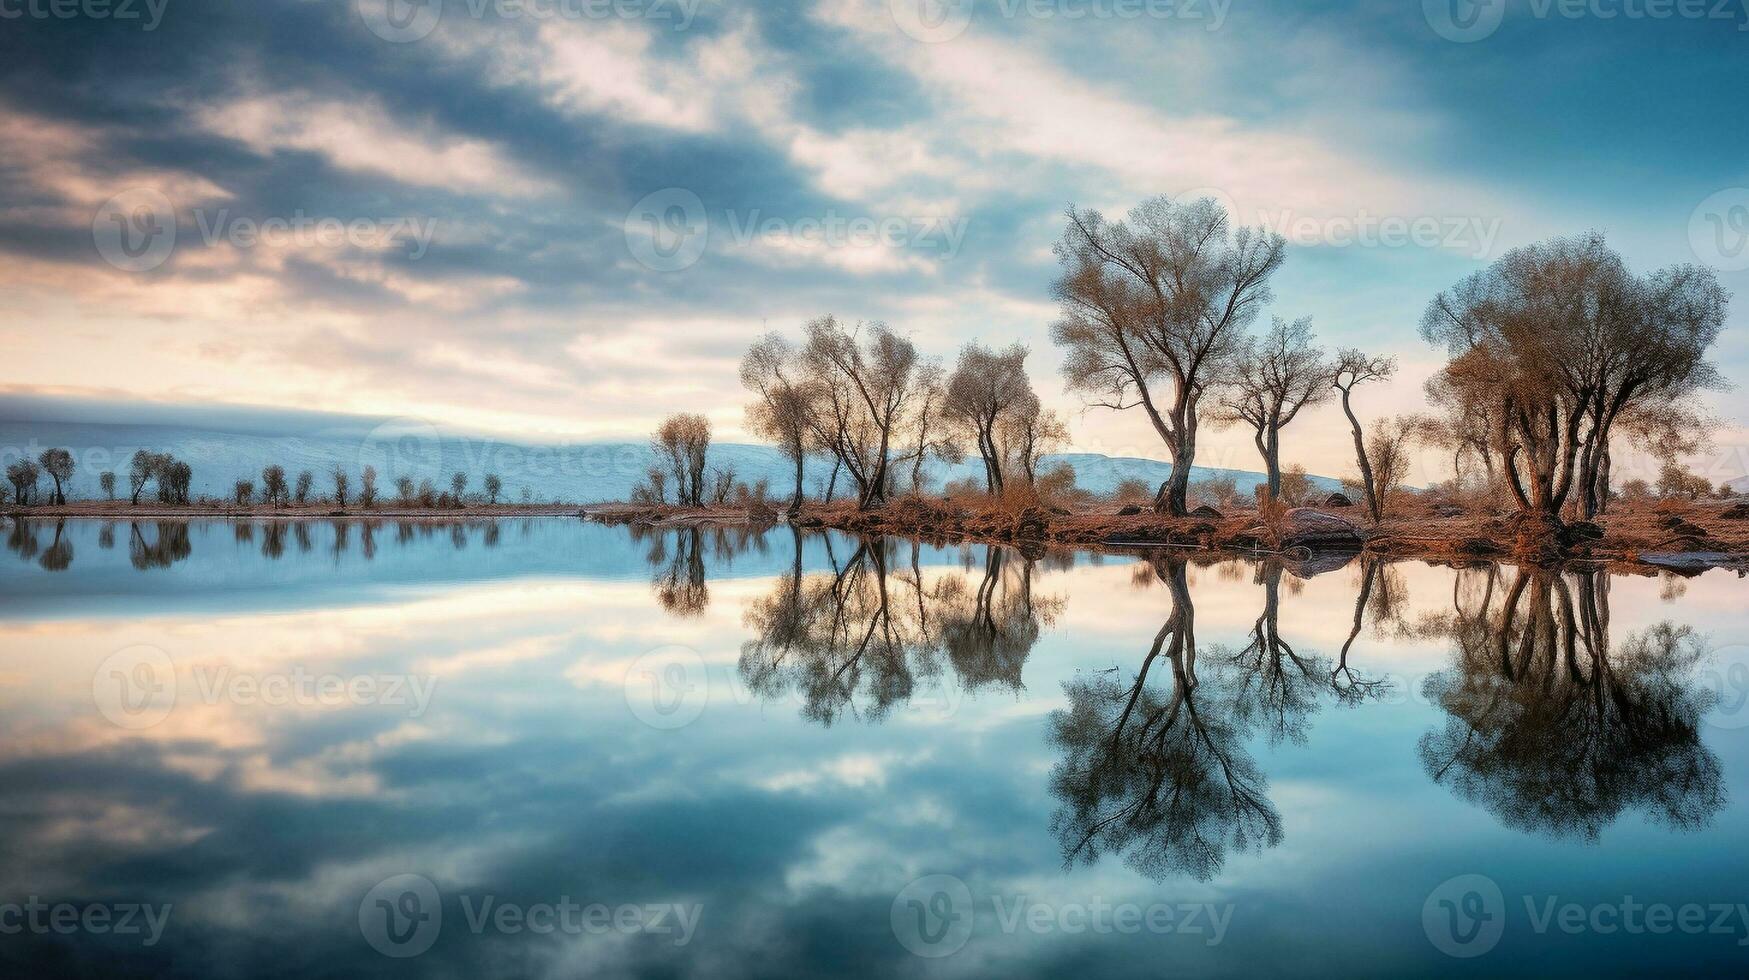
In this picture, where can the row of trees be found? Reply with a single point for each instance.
(864, 398)
(1556, 350)
(25, 475)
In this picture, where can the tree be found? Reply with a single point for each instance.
(1276, 378)
(106, 481)
(306, 480)
(1675, 480)
(58, 464)
(141, 469)
(367, 487)
(273, 485)
(174, 479)
(342, 483)
(243, 491)
(1389, 449)
(864, 382)
(1028, 433)
(930, 437)
(1354, 368)
(458, 485)
(23, 475)
(682, 442)
(984, 389)
(1563, 342)
(772, 370)
(404, 489)
(1160, 299)
(494, 487)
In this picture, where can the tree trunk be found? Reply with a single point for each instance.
(1366, 478)
(795, 503)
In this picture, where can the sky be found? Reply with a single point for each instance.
(564, 219)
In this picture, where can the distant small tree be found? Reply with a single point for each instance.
(494, 487)
(367, 487)
(682, 442)
(427, 494)
(23, 475)
(141, 469)
(306, 480)
(342, 485)
(1133, 491)
(273, 485)
(458, 485)
(244, 491)
(106, 481)
(1636, 489)
(58, 464)
(404, 489)
(1677, 481)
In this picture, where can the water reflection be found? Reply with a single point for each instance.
(861, 636)
(1555, 731)
(168, 544)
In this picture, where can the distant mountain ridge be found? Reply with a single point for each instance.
(582, 472)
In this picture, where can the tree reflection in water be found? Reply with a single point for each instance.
(862, 637)
(169, 544)
(1555, 732)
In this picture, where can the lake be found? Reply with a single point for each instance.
(555, 748)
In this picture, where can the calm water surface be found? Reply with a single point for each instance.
(549, 748)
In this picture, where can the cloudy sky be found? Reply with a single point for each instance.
(563, 218)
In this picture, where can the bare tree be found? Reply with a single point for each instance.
(23, 475)
(58, 464)
(865, 381)
(931, 436)
(772, 370)
(458, 485)
(1028, 432)
(367, 487)
(106, 482)
(141, 469)
(243, 491)
(494, 487)
(1354, 368)
(984, 389)
(404, 490)
(1562, 341)
(306, 480)
(342, 485)
(1160, 299)
(1276, 378)
(273, 484)
(682, 442)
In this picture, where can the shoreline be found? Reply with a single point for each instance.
(1683, 537)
